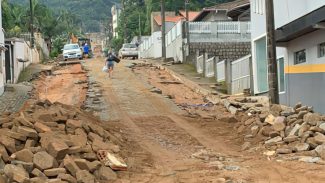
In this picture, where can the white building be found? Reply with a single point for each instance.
(2, 56)
(300, 37)
(116, 10)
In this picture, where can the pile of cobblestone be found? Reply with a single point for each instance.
(56, 143)
(286, 130)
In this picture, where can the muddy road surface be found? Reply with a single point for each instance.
(163, 143)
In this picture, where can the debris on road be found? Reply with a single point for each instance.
(283, 130)
(52, 141)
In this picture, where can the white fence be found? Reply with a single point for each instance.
(200, 27)
(209, 67)
(240, 74)
(174, 43)
(151, 47)
(199, 64)
(221, 71)
(219, 31)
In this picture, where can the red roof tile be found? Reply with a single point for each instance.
(174, 19)
(191, 14)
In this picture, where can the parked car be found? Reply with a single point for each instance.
(72, 51)
(129, 50)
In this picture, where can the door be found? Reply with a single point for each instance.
(261, 65)
(8, 64)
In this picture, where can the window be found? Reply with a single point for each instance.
(321, 50)
(281, 80)
(300, 57)
(258, 6)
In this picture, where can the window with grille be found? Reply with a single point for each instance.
(300, 57)
(321, 50)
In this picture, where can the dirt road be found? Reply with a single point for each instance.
(163, 144)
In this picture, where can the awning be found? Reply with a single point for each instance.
(301, 26)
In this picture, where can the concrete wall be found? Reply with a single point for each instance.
(307, 86)
(225, 51)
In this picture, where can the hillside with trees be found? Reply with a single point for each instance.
(89, 14)
(129, 19)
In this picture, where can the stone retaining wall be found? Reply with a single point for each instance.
(225, 51)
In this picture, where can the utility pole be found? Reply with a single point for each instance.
(124, 21)
(271, 54)
(187, 2)
(139, 29)
(163, 30)
(31, 23)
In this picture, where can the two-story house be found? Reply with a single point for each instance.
(300, 38)
(115, 11)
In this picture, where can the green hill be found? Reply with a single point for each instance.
(91, 12)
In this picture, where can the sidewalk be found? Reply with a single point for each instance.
(188, 71)
(15, 95)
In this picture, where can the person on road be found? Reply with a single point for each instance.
(110, 61)
(86, 50)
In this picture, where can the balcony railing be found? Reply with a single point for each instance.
(219, 31)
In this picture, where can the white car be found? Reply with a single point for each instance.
(129, 50)
(72, 51)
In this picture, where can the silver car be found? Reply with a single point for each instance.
(72, 51)
(129, 50)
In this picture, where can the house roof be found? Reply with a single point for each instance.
(301, 26)
(192, 14)
(233, 8)
(174, 19)
(230, 5)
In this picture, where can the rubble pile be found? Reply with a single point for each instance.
(56, 143)
(286, 130)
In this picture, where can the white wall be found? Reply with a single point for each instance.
(174, 43)
(258, 22)
(310, 43)
(2, 56)
(286, 11)
(21, 50)
(151, 48)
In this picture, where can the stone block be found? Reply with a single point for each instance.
(73, 124)
(83, 176)
(28, 132)
(89, 156)
(17, 136)
(70, 165)
(319, 138)
(16, 173)
(67, 177)
(25, 155)
(38, 173)
(41, 128)
(8, 143)
(57, 149)
(106, 174)
(4, 153)
(82, 164)
(42, 160)
(54, 172)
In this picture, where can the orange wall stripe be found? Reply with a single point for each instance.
(296, 69)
